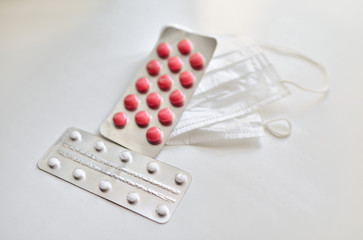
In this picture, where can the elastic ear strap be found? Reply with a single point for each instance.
(296, 54)
(268, 125)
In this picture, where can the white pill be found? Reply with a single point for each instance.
(105, 186)
(162, 210)
(133, 197)
(126, 156)
(75, 136)
(180, 178)
(53, 163)
(100, 146)
(152, 167)
(79, 174)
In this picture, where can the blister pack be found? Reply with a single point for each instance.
(152, 105)
(144, 185)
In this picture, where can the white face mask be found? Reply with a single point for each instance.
(238, 81)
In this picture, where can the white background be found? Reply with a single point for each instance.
(66, 63)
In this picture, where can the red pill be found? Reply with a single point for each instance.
(165, 116)
(153, 68)
(154, 135)
(120, 119)
(164, 82)
(142, 85)
(153, 100)
(185, 46)
(175, 64)
(131, 102)
(196, 61)
(186, 79)
(177, 98)
(142, 118)
(163, 50)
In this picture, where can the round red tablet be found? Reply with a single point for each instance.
(142, 118)
(196, 61)
(120, 119)
(153, 100)
(142, 85)
(153, 68)
(165, 116)
(175, 64)
(177, 98)
(164, 82)
(131, 102)
(186, 79)
(154, 135)
(163, 50)
(185, 47)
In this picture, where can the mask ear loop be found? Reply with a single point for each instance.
(296, 54)
(268, 125)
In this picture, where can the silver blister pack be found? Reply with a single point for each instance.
(144, 185)
(152, 105)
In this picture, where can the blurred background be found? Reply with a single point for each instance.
(66, 63)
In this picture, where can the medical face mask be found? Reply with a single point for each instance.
(235, 128)
(238, 119)
(238, 81)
